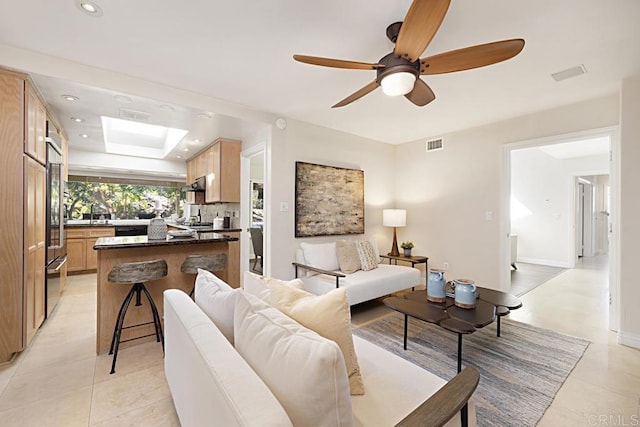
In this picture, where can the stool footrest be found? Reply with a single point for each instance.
(137, 338)
(138, 325)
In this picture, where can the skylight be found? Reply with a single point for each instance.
(132, 138)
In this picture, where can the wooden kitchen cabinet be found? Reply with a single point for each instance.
(76, 254)
(80, 242)
(223, 171)
(36, 114)
(34, 247)
(22, 212)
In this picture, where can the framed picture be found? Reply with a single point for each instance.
(329, 200)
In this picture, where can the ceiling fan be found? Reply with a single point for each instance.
(398, 72)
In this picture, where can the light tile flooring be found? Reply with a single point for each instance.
(59, 381)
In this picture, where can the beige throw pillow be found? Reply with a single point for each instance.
(348, 256)
(328, 315)
(367, 255)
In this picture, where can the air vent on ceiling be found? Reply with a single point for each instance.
(569, 73)
(435, 144)
(138, 116)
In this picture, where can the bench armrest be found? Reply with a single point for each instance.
(319, 270)
(446, 402)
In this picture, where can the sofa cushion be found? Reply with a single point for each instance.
(321, 255)
(366, 285)
(258, 285)
(329, 315)
(217, 299)
(305, 371)
(367, 255)
(348, 258)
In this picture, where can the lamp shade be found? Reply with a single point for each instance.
(394, 217)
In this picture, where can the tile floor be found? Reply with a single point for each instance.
(59, 381)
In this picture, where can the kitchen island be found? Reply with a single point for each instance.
(115, 250)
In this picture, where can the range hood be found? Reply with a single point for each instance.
(197, 186)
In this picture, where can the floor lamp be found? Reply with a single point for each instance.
(394, 218)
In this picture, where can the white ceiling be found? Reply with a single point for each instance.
(241, 52)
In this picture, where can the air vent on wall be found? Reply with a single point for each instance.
(138, 116)
(569, 73)
(435, 144)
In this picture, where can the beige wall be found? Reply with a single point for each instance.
(449, 193)
(629, 212)
(315, 144)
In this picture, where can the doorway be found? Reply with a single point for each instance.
(254, 221)
(559, 194)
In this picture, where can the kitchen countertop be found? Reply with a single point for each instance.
(83, 223)
(72, 223)
(143, 241)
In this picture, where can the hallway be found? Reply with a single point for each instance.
(604, 388)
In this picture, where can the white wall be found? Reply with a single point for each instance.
(314, 144)
(546, 186)
(448, 193)
(629, 227)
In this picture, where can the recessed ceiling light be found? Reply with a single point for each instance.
(197, 141)
(89, 8)
(123, 99)
(71, 98)
(204, 116)
(185, 150)
(178, 157)
(84, 135)
(77, 119)
(166, 107)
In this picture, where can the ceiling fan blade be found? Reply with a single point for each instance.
(358, 94)
(471, 57)
(336, 63)
(420, 25)
(421, 94)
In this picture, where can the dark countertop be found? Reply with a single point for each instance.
(143, 241)
(88, 225)
(114, 223)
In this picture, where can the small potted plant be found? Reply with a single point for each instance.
(407, 246)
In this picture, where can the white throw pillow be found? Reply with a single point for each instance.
(368, 259)
(374, 243)
(304, 371)
(217, 299)
(322, 255)
(329, 315)
(258, 285)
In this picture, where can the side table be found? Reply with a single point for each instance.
(413, 260)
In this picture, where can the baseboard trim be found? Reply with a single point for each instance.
(628, 339)
(548, 262)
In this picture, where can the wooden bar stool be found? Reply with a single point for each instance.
(211, 263)
(136, 273)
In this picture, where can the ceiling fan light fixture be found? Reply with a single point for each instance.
(397, 84)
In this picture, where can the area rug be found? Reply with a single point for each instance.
(520, 372)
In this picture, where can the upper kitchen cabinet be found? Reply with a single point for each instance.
(34, 142)
(223, 171)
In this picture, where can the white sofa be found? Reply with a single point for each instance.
(322, 274)
(212, 384)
